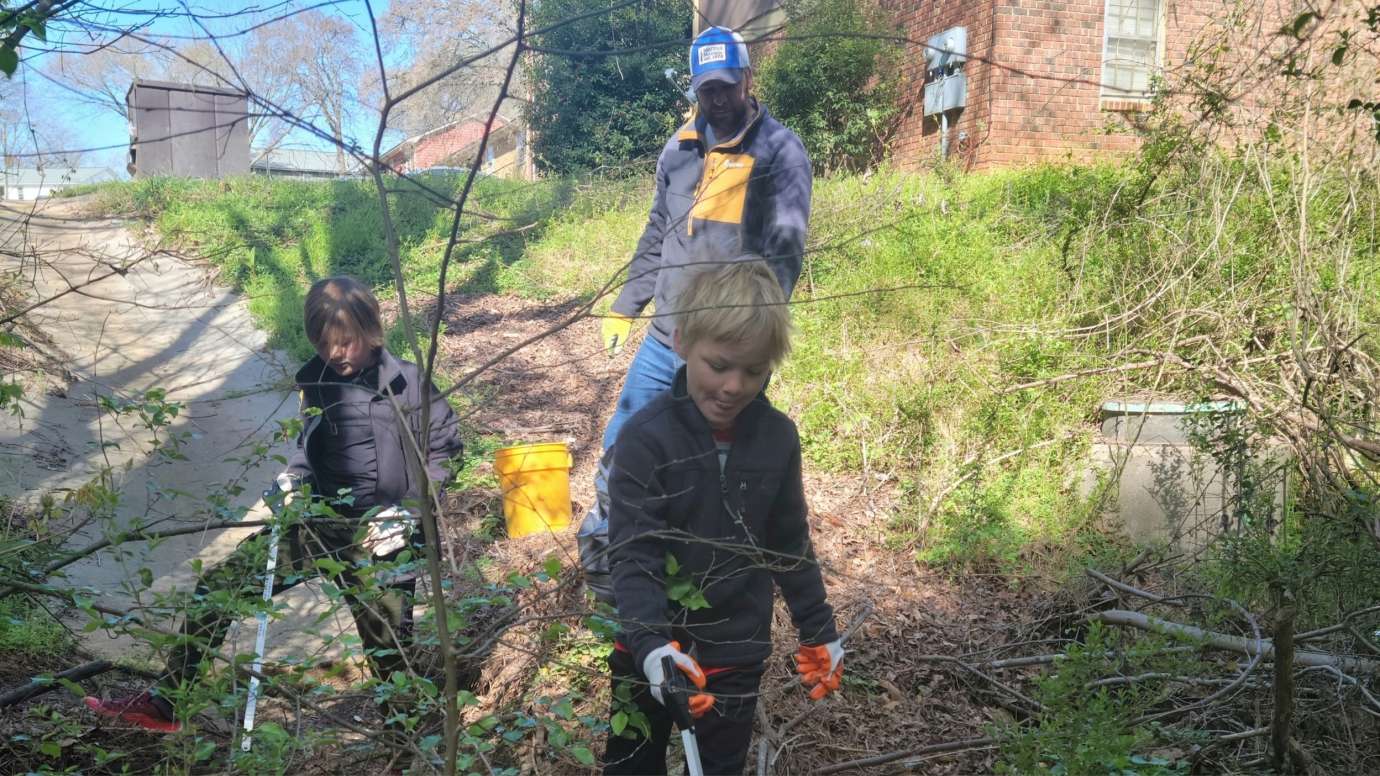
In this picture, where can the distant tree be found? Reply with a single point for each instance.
(101, 77)
(601, 110)
(426, 37)
(834, 80)
(307, 65)
(30, 135)
(328, 61)
(14, 126)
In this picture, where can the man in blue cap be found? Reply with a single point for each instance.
(732, 178)
(731, 181)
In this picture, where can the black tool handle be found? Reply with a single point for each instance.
(269, 499)
(675, 693)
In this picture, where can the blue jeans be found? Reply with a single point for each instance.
(653, 370)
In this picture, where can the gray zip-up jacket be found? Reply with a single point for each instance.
(749, 193)
(398, 378)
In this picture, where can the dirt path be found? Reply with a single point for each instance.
(160, 324)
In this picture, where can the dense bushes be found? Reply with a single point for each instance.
(839, 93)
(605, 100)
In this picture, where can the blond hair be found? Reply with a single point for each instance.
(342, 304)
(738, 301)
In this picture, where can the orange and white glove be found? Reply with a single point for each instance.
(820, 668)
(700, 703)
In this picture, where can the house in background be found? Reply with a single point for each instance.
(28, 184)
(301, 163)
(454, 145)
(186, 130)
(1040, 79)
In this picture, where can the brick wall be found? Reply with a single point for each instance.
(916, 140)
(1037, 95)
(436, 149)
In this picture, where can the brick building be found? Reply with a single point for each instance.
(1049, 79)
(455, 144)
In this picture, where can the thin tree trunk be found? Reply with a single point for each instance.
(1282, 723)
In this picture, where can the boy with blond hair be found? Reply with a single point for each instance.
(707, 504)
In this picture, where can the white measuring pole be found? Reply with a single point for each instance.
(692, 753)
(252, 703)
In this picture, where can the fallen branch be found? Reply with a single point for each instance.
(764, 747)
(1105, 370)
(40, 685)
(1262, 647)
(1350, 680)
(1346, 619)
(1116, 681)
(1201, 752)
(1282, 722)
(891, 757)
(1125, 588)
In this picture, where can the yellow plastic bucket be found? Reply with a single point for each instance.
(535, 482)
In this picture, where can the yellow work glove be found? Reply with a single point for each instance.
(616, 329)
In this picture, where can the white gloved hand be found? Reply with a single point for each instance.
(287, 485)
(651, 668)
(389, 531)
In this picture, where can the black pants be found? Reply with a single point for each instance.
(383, 613)
(724, 734)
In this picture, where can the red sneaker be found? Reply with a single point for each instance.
(141, 710)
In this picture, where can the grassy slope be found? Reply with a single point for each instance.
(989, 273)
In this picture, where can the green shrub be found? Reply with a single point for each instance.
(1087, 730)
(603, 110)
(837, 89)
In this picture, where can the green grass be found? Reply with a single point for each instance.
(273, 238)
(29, 630)
(924, 298)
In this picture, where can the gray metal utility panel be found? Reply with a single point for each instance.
(187, 130)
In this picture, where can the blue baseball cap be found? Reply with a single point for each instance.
(717, 54)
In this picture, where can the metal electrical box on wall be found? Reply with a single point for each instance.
(946, 84)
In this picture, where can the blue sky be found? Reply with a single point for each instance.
(86, 126)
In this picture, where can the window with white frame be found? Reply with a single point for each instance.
(1130, 48)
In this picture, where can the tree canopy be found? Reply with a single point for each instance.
(605, 99)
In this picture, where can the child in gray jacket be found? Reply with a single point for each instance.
(352, 448)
